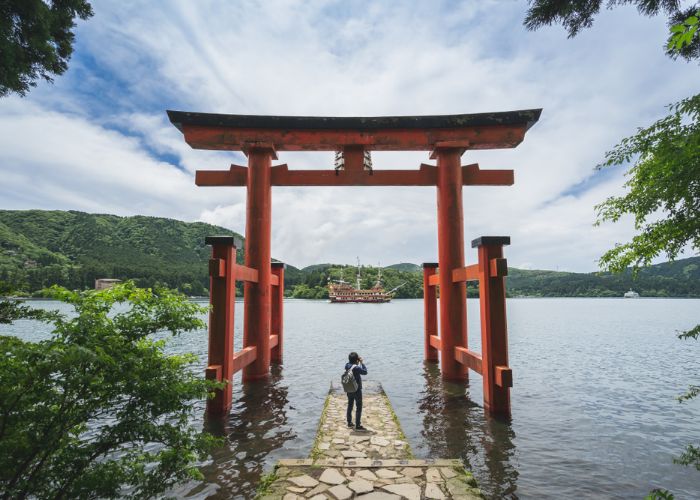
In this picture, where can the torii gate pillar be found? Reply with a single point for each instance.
(453, 296)
(258, 233)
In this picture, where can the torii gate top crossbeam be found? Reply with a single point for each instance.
(354, 136)
(385, 133)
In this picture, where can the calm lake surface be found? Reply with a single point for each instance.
(594, 409)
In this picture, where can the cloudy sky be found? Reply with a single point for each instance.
(98, 140)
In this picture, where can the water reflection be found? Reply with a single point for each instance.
(256, 426)
(500, 454)
(454, 426)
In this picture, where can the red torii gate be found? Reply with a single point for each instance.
(447, 137)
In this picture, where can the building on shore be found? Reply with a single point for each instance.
(104, 283)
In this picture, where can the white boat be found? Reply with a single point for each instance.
(631, 295)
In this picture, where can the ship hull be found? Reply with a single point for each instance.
(356, 300)
(340, 294)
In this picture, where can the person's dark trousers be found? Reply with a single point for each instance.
(355, 397)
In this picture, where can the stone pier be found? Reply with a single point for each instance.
(375, 464)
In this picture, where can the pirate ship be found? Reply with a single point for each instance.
(340, 291)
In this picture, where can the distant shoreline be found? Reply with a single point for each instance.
(74, 249)
(49, 299)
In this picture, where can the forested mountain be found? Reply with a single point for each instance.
(40, 248)
(670, 279)
(405, 266)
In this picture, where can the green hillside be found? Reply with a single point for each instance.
(40, 248)
(670, 279)
(406, 267)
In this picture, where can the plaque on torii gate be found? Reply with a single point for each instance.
(446, 137)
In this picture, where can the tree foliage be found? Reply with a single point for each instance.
(576, 15)
(684, 40)
(690, 457)
(98, 410)
(664, 188)
(36, 40)
(691, 454)
(11, 310)
(659, 494)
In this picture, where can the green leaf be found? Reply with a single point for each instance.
(663, 189)
(659, 494)
(693, 333)
(102, 363)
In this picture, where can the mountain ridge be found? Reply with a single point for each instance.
(39, 248)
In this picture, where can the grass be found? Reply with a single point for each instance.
(466, 475)
(265, 483)
(315, 451)
(395, 418)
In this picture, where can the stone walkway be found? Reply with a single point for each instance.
(384, 438)
(376, 464)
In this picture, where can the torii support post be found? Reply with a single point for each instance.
(453, 296)
(222, 286)
(258, 230)
(497, 376)
(277, 323)
(430, 318)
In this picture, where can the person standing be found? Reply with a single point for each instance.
(358, 369)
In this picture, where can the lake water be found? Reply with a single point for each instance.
(594, 409)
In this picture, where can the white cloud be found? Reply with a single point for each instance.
(55, 160)
(93, 141)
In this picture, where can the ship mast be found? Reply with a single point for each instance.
(359, 287)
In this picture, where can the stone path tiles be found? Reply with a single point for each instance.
(348, 464)
(384, 438)
(388, 482)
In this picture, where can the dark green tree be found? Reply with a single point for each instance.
(36, 40)
(99, 410)
(576, 15)
(664, 188)
(685, 37)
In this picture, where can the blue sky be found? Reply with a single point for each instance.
(98, 140)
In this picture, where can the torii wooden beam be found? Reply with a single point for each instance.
(381, 133)
(426, 175)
